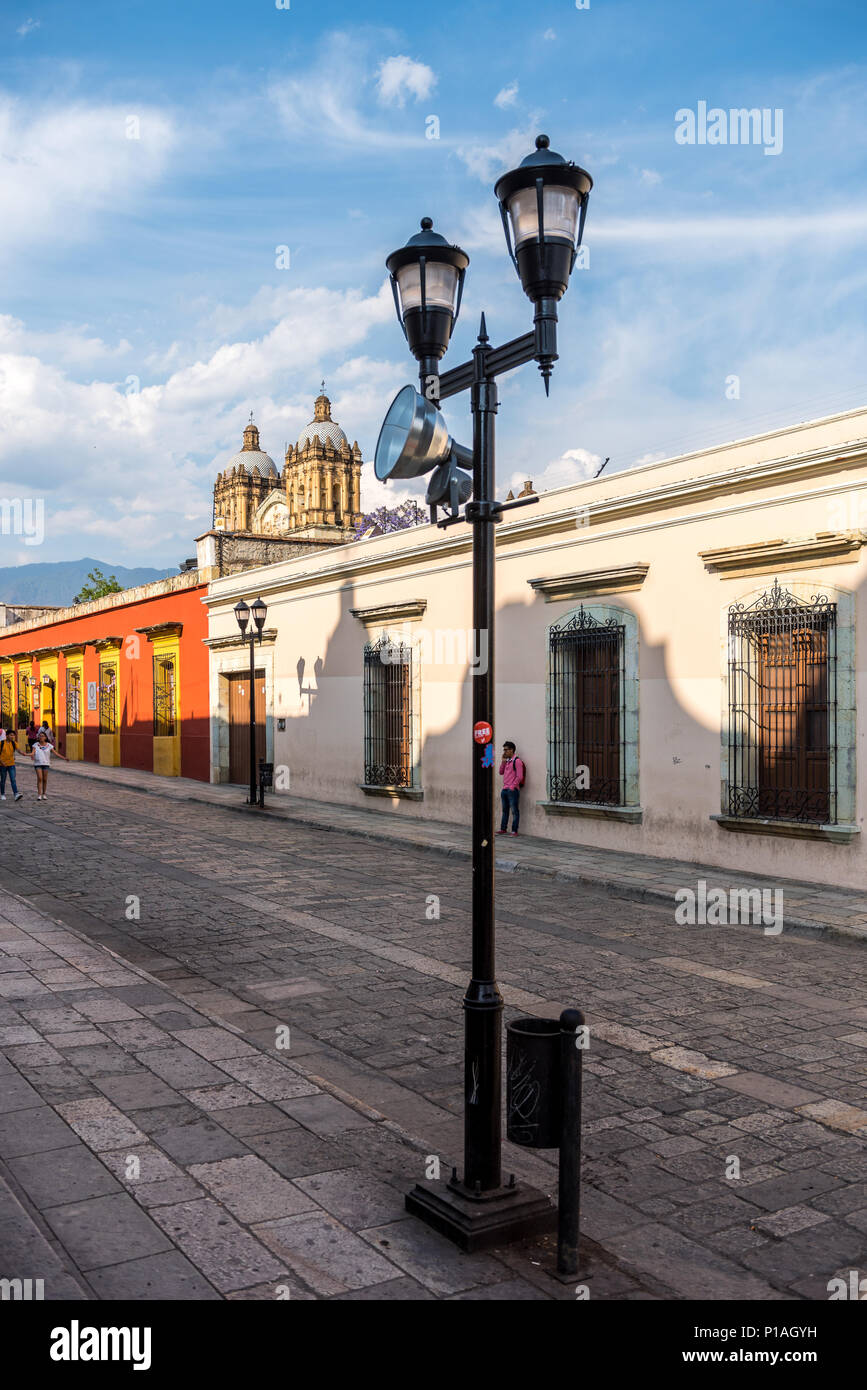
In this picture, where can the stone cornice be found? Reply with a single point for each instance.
(174, 583)
(743, 478)
(218, 644)
(590, 583)
(390, 612)
(107, 644)
(803, 552)
(356, 568)
(161, 630)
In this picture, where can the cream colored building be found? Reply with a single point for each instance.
(677, 659)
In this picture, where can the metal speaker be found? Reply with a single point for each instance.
(414, 439)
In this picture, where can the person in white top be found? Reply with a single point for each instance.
(41, 755)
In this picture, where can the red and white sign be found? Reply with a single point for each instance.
(482, 732)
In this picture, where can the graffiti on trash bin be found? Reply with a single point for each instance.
(523, 1091)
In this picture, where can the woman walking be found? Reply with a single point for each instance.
(41, 755)
(7, 766)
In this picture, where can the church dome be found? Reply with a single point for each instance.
(322, 427)
(252, 457)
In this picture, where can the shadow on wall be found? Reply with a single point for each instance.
(680, 762)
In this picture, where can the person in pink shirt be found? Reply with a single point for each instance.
(512, 771)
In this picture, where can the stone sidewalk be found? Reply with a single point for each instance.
(150, 1150)
(810, 908)
(140, 928)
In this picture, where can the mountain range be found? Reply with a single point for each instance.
(59, 581)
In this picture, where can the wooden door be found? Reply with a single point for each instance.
(794, 756)
(239, 726)
(597, 712)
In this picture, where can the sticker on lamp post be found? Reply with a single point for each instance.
(482, 732)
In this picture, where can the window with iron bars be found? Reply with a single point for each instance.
(164, 697)
(388, 698)
(25, 701)
(107, 699)
(586, 711)
(7, 711)
(782, 725)
(73, 702)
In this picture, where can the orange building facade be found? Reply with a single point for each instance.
(122, 681)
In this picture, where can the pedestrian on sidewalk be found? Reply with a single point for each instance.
(513, 772)
(41, 755)
(31, 732)
(7, 765)
(45, 728)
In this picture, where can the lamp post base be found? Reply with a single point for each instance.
(479, 1221)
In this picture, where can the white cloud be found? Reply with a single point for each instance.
(137, 469)
(64, 166)
(27, 27)
(649, 177)
(549, 34)
(67, 344)
(507, 96)
(708, 235)
(400, 77)
(321, 104)
(486, 161)
(573, 466)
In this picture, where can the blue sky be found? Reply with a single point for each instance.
(155, 155)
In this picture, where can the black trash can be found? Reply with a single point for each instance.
(534, 1102)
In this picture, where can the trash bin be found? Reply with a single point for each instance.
(534, 1099)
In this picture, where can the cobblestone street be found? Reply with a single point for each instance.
(152, 1038)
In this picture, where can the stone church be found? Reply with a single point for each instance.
(315, 501)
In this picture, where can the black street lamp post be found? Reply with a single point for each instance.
(543, 205)
(242, 613)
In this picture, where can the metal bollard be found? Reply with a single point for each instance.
(569, 1194)
(543, 1110)
(266, 779)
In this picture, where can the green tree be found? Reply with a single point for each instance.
(98, 586)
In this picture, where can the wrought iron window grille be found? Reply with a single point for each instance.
(73, 702)
(388, 710)
(164, 697)
(107, 700)
(782, 714)
(7, 712)
(586, 711)
(25, 704)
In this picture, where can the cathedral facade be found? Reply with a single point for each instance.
(316, 500)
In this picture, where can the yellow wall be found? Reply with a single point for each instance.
(109, 744)
(167, 750)
(75, 741)
(25, 669)
(48, 667)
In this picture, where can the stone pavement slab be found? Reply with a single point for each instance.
(327, 1257)
(187, 1211)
